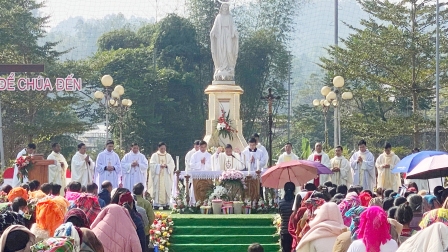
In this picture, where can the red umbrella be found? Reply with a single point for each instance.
(297, 171)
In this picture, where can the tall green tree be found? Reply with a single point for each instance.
(160, 77)
(390, 65)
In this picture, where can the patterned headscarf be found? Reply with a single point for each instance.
(89, 204)
(433, 216)
(374, 229)
(354, 214)
(9, 218)
(350, 201)
(77, 213)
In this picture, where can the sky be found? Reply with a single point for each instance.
(60, 10)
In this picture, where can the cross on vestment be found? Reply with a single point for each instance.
(228, 164)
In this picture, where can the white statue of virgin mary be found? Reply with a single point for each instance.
(224, 45)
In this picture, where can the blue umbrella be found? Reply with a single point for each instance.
(409, 162)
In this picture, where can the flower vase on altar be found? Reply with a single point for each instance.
(238, 207)
(217, 205)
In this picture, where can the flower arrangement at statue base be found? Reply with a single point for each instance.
(233, 181)
(24, 165)
(223, 126)
(161, 231)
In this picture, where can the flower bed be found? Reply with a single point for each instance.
(160, 232)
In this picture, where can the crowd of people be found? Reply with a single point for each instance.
(37, 217)
(340, 219)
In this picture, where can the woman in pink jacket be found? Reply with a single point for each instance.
(115, 229)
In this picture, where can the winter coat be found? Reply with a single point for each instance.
(115, 229)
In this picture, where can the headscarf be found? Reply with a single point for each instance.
(17, 192)
(37, 195)
(9, 218)
(77, 213)
(377, 201)
(350, 201)
(125, 198)
(354, 214)
(429, 203)
(433, 216)
(48, 215)
(62, 203)
(89, 239)
(365, 198)
(327, 223)
(89, 204)
(374, 229)
(5, 240)
(69, 230)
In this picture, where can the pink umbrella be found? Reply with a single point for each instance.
(297, 171)
(430, 167)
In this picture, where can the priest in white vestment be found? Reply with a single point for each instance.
(385, 163)
(342, 172)
(201, 160)
(264, 153)
(56, 172)
(288, 155)
(134, 165)
(29, 150)
(82, 166)
(320, 156)
(108, 166)
(196, 145)
(229, 160)
(160, 182)
(254, 158)
(363, 167)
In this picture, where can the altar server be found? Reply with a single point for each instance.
(385, 163)
(82, 166)
(56, 172)
(230, 160)
(363, 167)
(201, 160)
(190, 153)
(30, 149)
(342, 172)
(108, 166)
(134, 165)
(320, 156)
(161, 168)
(288, 155)
(254, 158)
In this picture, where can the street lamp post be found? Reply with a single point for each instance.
(114, 101)
(333, 98)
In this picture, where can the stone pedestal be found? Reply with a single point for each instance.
(224, 95)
